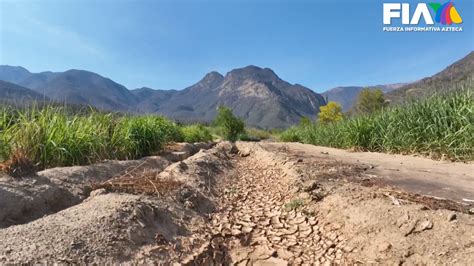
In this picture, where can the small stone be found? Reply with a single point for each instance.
(452, 217)
(244, 152)
(98, 192)
(426, 225)
(384, 247)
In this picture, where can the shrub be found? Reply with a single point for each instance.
(330, 113)
(230, 126)
(196, 133)
(370, 101)
(253, 134)
(291, 135)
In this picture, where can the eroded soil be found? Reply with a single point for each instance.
(259, 204)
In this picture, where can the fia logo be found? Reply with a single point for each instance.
(445, 14)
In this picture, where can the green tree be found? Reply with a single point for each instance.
(230, 125)
(332, 112)
(370, 101)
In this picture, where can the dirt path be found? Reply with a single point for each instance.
(266, 224)
(441, 179)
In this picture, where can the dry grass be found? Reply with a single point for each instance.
(140, 181)
(18, 165)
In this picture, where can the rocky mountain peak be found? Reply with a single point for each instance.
(211, 79)
(253, 72)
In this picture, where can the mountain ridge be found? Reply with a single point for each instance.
(258, 95)
(255, 94)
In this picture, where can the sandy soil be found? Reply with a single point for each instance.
(443, 179)
(262, 204)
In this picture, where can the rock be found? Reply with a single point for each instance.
(244, 152)
(384, 247)
(426, 225)
(98, 192)
(228, 147)
(309, 186)
(178, 156)
(452, 217)
(317, 195)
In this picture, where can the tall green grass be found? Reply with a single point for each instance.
(196, 133)
(51, 136)
(440, 126)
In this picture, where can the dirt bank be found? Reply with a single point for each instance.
(116, 227)
(49, 191)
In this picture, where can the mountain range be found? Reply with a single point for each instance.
(255, 94)
(458, 74)
(347, 96)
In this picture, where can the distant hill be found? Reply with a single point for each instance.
(458, 74)
(255, 94)
(14, 93)
(73, 86)
(149, 100)
(13, 74)
(347, 96)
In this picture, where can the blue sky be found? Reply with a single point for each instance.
(173, 44)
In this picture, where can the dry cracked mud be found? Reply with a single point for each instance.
(254, 204)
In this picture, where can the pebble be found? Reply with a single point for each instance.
(452, 217)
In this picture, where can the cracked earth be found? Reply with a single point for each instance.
(263, 223)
